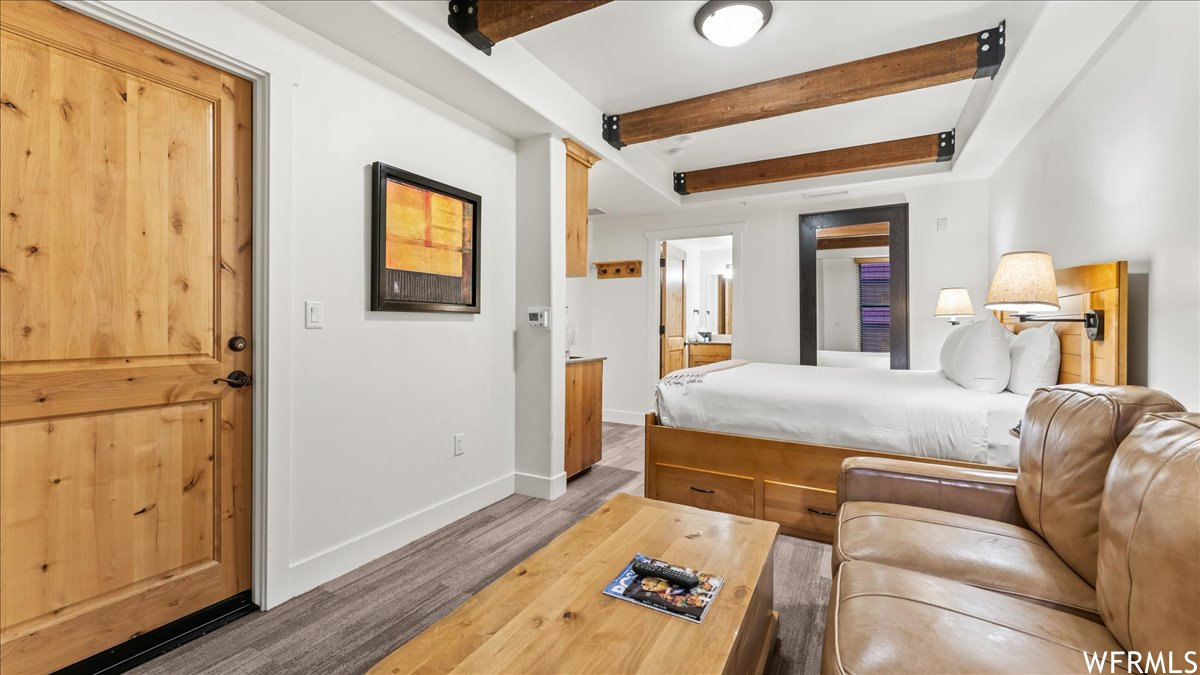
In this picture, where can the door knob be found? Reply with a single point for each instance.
(237, 379)
(237, 343)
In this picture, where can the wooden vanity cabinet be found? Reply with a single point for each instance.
(585, 381)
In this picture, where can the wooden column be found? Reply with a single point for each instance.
(579, 161)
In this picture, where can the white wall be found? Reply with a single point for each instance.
(767, 314)
(578, 312)
(838, 317)
(362, 413)
(1111, 173)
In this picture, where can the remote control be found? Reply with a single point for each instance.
(675, 575)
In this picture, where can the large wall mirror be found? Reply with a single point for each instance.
(854, 288)
(718, 301)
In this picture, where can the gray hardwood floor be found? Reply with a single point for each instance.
(350, 623)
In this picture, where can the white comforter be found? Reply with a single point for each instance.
(910, 412)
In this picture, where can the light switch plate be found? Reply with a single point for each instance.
(314, 314)
(943, 224)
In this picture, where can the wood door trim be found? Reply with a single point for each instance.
(897, 216)
(80, 608)
(51, 24)
(27, 396)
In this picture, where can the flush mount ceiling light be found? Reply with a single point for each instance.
(729, 23)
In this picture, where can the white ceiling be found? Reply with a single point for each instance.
(627, 55)
(633, 54)
(630, 55)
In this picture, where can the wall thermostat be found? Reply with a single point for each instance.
(539, 317)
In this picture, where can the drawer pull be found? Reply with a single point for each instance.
(707, 492)
(819, 513)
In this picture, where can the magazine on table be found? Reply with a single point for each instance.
(691, 604)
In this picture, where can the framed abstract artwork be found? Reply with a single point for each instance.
(425, 244)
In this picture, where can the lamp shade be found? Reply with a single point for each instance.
(954, 302)
(1024, 283)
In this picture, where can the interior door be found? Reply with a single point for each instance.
(672, 327)
(125, 253)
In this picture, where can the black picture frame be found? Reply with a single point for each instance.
(896, 215)
(381, 300)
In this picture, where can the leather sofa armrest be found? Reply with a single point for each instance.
(971, 492)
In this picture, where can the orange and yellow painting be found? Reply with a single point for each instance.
(426, 231)
(428, 240)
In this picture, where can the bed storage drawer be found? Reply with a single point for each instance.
(705, 489)
(807, 511)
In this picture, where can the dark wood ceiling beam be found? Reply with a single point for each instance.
(970, 56)
(483, 23)
(904, 152)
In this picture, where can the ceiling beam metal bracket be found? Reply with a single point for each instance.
(945, 146)
(612, 130)
(681, 182)
(990, 52)
(464, 19)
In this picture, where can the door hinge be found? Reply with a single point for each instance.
(662, 330)
(662, 262)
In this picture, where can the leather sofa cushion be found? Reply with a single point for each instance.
(1149, 579)
(976, 551)
(887, 620)
(1068, 438)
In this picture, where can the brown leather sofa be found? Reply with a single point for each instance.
(1093, 545)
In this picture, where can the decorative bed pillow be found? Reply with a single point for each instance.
(1035, 355)
(979, 356)
(950, 347)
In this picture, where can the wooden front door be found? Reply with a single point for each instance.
(673, 325)
(125, 252)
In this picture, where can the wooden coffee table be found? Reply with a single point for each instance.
(549, 614)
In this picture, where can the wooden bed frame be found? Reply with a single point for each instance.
(795, 484)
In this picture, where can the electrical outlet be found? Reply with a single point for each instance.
(943, 224)
(458, 444)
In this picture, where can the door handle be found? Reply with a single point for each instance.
(237, 379)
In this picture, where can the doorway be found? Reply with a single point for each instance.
(126, 343)
(696, 304)
(854, 288)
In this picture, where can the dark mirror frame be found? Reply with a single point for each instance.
(896, 215)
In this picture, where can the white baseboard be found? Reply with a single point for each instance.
(540, 486)
(624, 417)
(315, 570)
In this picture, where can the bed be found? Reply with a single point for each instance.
(767, 441)
(909, 412)
(835, 359)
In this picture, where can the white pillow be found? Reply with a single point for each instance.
(980, 359)
(950, 347)
(1035, 355)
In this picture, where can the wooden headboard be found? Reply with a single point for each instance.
(1104, 286)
